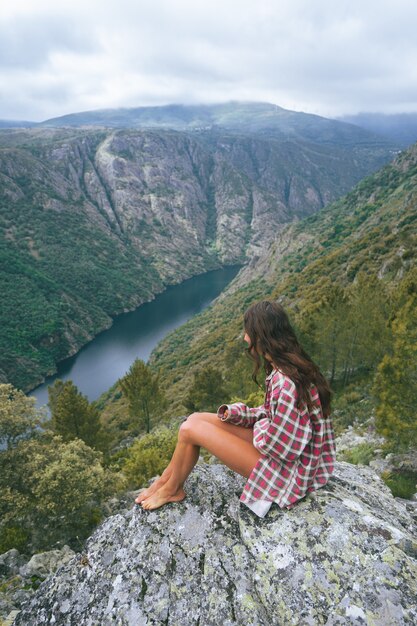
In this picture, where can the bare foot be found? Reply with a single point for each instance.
(157, 484)
(161, 497)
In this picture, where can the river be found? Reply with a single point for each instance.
(100, 363)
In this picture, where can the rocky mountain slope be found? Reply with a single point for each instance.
(346, 554)
(97, 221)
(372, 229)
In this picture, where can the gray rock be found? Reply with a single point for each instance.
(10, 562)
(44, 563)
(351, 438)
(121, 503)
(8, 621)
(406, 461)
(6, 607)
(346, 554)
(380, 466)
(411, 506)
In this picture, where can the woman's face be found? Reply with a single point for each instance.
(248, 341)
(253, 350)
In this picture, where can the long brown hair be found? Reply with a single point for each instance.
(273, 338)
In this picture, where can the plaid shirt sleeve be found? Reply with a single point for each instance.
(285, 431)
(240, 414)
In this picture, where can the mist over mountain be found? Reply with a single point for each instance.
(247, 117)
(400, 128)
(16, 124)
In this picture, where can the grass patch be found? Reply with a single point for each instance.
(361, 454)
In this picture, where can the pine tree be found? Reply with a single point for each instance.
(141, 388)
(323, 330)
(366, 332)
(346, 331)
(208, 390)
(395, 382)
(72, 414)
(239, 368)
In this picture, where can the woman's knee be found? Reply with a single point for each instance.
(187, 429)
(192, 425)
(203, 416)
(194, 416)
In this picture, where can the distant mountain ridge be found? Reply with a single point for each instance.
(16, 124)
(400, 127)
(253, 117)
(259, 117)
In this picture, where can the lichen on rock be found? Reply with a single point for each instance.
(346, 554)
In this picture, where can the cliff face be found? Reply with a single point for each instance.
(344, 555)
(96, 221)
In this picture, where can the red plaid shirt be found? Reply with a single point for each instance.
(297, 446)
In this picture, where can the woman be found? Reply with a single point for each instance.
(285, 448)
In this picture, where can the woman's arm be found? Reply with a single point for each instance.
(240, 414)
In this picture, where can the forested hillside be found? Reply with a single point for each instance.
(95, 222)
(348, 278)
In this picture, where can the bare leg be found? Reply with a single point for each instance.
(219, 438)
(239, 431)
(157, 483)
(176, 458)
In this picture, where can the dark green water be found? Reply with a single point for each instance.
(97, 366)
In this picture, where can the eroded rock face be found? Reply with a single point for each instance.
(344, 555)
(132, 211)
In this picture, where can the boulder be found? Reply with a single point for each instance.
(44, 563)
(10, 562)
(346, 554)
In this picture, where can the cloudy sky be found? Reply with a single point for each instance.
(330, 57)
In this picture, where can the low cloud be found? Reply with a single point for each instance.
(323, 57)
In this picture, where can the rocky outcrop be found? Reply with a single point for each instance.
(347, 554)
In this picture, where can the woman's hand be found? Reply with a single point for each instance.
(226, 413)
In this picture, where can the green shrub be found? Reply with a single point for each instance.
(253, 400)
(13, 537)
(352, 396)
(52, 492)
(351, 405)
(360, 454)
(403, 483)
(149, 456)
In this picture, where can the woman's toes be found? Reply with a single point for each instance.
(160, 497)
(141, 496)
(145, 493)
